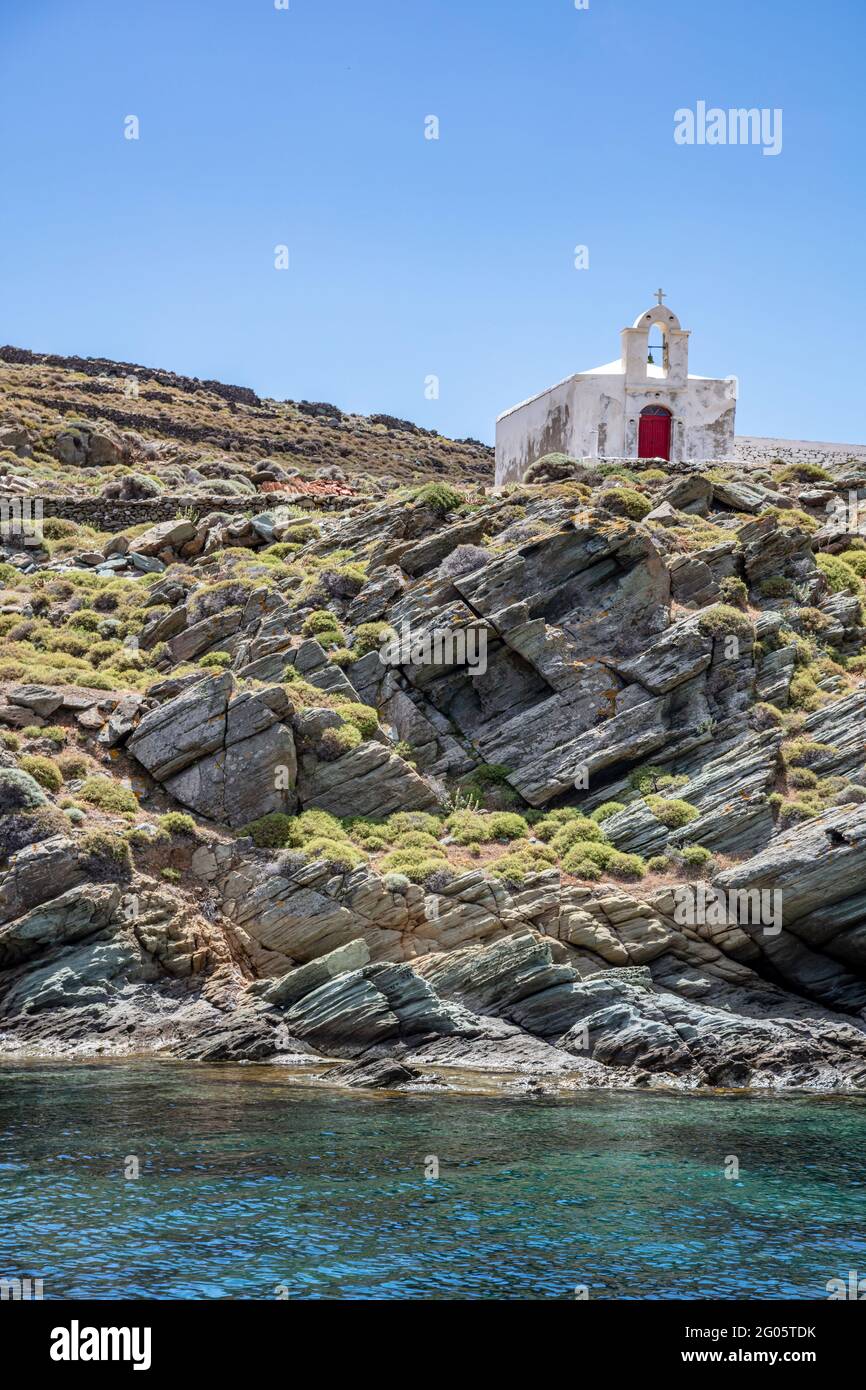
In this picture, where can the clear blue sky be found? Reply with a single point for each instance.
(412, 257)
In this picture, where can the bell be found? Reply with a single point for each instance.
(650, 359)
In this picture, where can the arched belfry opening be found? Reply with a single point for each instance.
(659, 347)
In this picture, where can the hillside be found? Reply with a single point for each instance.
(181, 434)
(315, 748)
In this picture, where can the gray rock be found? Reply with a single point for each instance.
(166, 535)
(382, 1075)
(292, 986)
(79, 912)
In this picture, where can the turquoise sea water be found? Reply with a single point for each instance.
(252, 1188)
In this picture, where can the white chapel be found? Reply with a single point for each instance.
(643, 405)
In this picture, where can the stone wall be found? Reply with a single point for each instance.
(110, 515)
(759, 451)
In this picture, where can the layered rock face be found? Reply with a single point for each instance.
(566, 784)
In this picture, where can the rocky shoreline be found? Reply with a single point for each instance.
(564, 785)
(98, 970)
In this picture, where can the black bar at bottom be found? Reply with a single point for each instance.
(216, 1336)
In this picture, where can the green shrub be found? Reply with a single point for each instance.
(338, 656)
(72, 765)
(606, 809)
(553, 821)
(10, 740)
(102, 651)
(19, 791)
(469, 828)
(803, 473)
(579, 831)
(54, 733)
(721, 620)
(296, 533)
(597, 852)
(42, 770)
(219, 660)
(438, 496)
(419, 839)
(417, 865)
(401, 821)
(624, 501)
(87, 619)
(580, 865)
(363, 717)
(790, 518)
(71, 643)
(802, 777)
(658, 864)
(373, 844)
(333, 743)
(626, 866)
(173, 875)
(803, 692)
(856, 559)
(543, 856)
(734, 592)
(315, 824)
(145, 836)
(178, 823)
(672, 812)
(514, 869)
(369, 638)
(105, 856)
(341, 854)
(396, 883)
(272, 831)
(108, 795)
(840, 576)
(695, 856)
(645, 779)
(322, 620)
(371, 835)
(798, 809)
(491, 774)
(800, 752)
(774, 587)
(507, 825)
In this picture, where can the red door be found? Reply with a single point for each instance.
(654, 434)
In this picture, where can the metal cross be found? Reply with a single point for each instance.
(660, 296)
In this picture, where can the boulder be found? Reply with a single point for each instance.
(165, 535)
(225, 755)
(77, 913)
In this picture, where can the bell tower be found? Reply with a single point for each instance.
(674, 367)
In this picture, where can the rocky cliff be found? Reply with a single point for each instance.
(384, 775)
